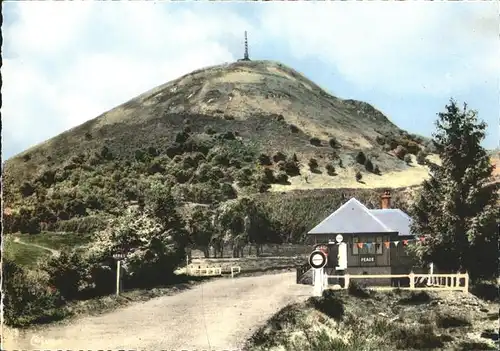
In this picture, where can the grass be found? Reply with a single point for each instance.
(24, 255)
(56, 241)
(341, 321)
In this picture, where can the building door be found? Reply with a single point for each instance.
(333, 256)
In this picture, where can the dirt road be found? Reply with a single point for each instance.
(217, 315)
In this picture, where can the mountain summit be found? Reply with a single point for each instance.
(259, 113)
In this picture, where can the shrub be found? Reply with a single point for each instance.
(361, 158)
(415, 298)
(66, 273)
(181, 137)
(333, 142)
(486, 290)
(356, 290)
(329, 304)
(421, 337)
(282, 178)
(27, 296)
(210, 130)
(358, 176)
(421, 157)
(400, 152)
(380, 140)
(268, 176)
(228, 136)
(340, 163)
(313, 164)
(228, 191)
(26, 189)
(330, 169)
(221, 159)
(315, 141)
(376, 170)
(452, 320)
(291, 168)
(264, 160)
(368, 165)
(294, 128)
(407, 158)
(279, 156)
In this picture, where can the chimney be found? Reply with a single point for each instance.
(386, 200)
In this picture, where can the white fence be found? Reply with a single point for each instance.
(211, 271)
(440, 282)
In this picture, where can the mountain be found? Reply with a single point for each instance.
(213, 134)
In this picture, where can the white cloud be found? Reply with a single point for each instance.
(403, 47)
(91, 56)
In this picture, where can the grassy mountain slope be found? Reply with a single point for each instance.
(214, 134)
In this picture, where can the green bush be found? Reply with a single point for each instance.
(313, 164)
(67, 273)
(330, 169)
(361, 158)
(330, 304)
(333, 142)
(279, 156)
(291, 167)
(380, 140)
(28, 297)
(228, 191)
(486, 290)
(294, 128)
(407, 159)
(451, 319)
(357, 290)
(282, 178)
(265, 160)
(315, 141)
(369, 165)
(421, 157)
(358, 176)
(268, 176)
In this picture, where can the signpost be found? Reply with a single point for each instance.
(318, 260)
(118, 257)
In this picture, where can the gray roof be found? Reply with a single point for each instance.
(353, 217)
(394, 219)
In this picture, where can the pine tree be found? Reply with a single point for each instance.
(455, 211)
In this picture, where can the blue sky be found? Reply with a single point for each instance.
(67, 62)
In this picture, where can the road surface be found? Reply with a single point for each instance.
(216, 315)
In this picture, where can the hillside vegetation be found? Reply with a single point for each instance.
(213, 135)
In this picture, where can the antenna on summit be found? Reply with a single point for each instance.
(245, 55)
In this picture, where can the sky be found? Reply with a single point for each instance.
(67, 62)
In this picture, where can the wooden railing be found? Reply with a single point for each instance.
(301, 270)
(442, 281)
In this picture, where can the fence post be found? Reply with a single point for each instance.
(346, 281)
(412, 280)
(118, 268)
(466, 285)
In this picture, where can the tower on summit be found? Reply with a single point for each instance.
(245, 55)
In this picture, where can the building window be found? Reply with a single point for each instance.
(355, 249)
